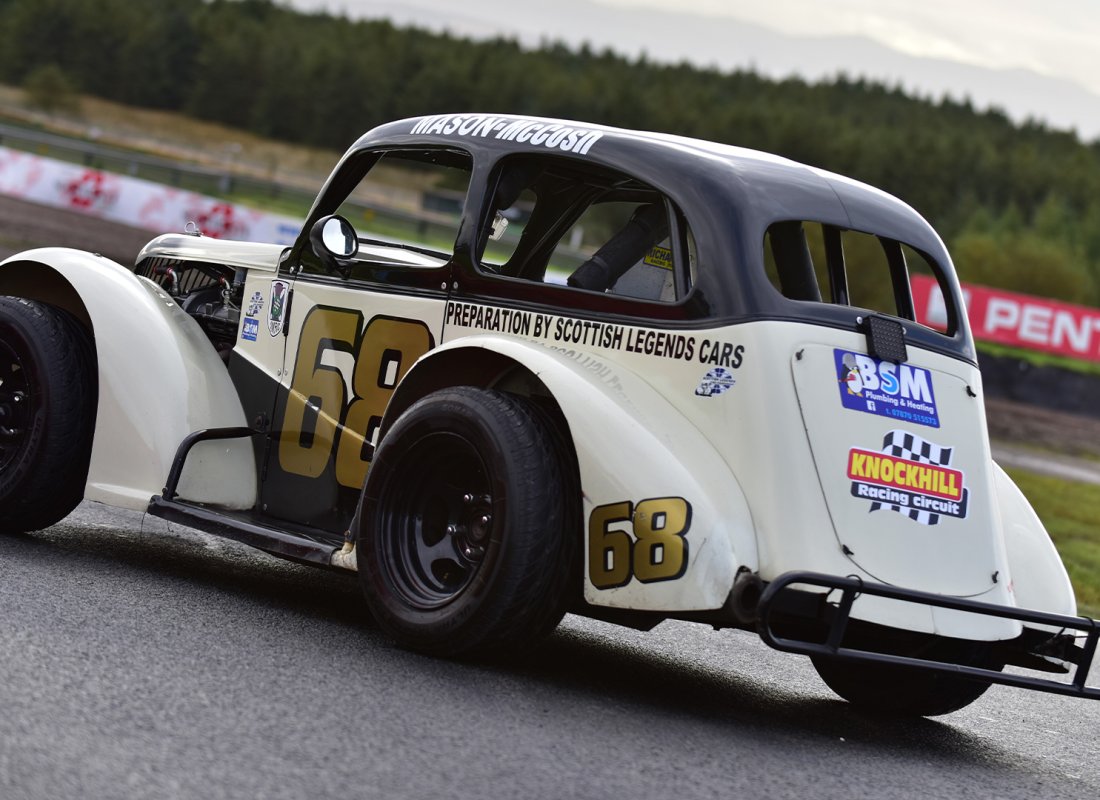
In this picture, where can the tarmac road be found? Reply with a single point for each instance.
(139, 660)
(1081, 470)
(26, 225)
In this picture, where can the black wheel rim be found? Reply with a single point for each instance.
(16, 403)
(437, 526)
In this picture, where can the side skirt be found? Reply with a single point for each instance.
(305, 545)
(306, 548)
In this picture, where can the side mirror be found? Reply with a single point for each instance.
(334, 241)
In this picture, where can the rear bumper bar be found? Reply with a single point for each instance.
(851, 587)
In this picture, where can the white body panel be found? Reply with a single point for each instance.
(643, 428)
(959, 556)
(632, 445)
(248, 255)
(159, 380)
(1039, 578)
(748, 460)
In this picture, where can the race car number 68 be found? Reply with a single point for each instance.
(657, 551)
(385, 350)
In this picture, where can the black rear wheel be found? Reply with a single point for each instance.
(462, 546)
(47, 413)
(903, 691)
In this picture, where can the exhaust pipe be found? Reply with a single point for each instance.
(744, 600)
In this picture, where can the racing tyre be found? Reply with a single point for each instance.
(901, 691)
(47, 413)
(462, 545)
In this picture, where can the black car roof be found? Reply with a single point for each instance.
(764, 187)
(730, 196)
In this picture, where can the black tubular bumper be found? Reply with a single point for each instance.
(771, 605)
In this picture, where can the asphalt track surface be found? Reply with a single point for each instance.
(26, 225)
(1080, 470)
(142, 660)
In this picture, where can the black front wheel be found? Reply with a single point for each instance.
(47, 413)
(462, 545)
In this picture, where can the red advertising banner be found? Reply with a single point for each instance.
(1019, 320)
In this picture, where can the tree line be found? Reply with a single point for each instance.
(1018, 204)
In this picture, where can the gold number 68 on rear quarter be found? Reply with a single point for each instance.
(657, 551)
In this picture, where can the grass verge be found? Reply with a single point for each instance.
(1071, 513)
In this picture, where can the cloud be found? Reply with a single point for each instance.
(1056, 37)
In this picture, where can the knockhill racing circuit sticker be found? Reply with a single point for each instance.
(900, 391)
(276, 309)
(717, 381)
(256, 304)
(911, 476)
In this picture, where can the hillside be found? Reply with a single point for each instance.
(173, 135)
(1019, 205)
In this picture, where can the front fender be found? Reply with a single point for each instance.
(159, 379)
(632, 445)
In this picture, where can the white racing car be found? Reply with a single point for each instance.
(693, 386)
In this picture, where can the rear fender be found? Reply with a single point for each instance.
(1039, 579)
(632, 446)
(159, 380)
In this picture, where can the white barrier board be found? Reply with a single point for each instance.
(134, 201)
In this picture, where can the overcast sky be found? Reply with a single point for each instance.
(920, 44)
(1059, 38)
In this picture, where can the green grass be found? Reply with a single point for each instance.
(1071, 513)
(290, 205)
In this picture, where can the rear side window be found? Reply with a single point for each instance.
(559, 222)
(617, 246)
(823, 263)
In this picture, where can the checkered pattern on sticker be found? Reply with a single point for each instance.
(902, 444)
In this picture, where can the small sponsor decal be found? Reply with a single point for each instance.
(251, 329)
(717, 381)
(276, 311)
(911, 476)
(899, 391)
(659, 257)
(592, 333)
(256, 304)
(568, 138)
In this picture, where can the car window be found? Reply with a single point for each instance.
(813, 262)
(406, 209)
(505, 229)
(578, 227)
